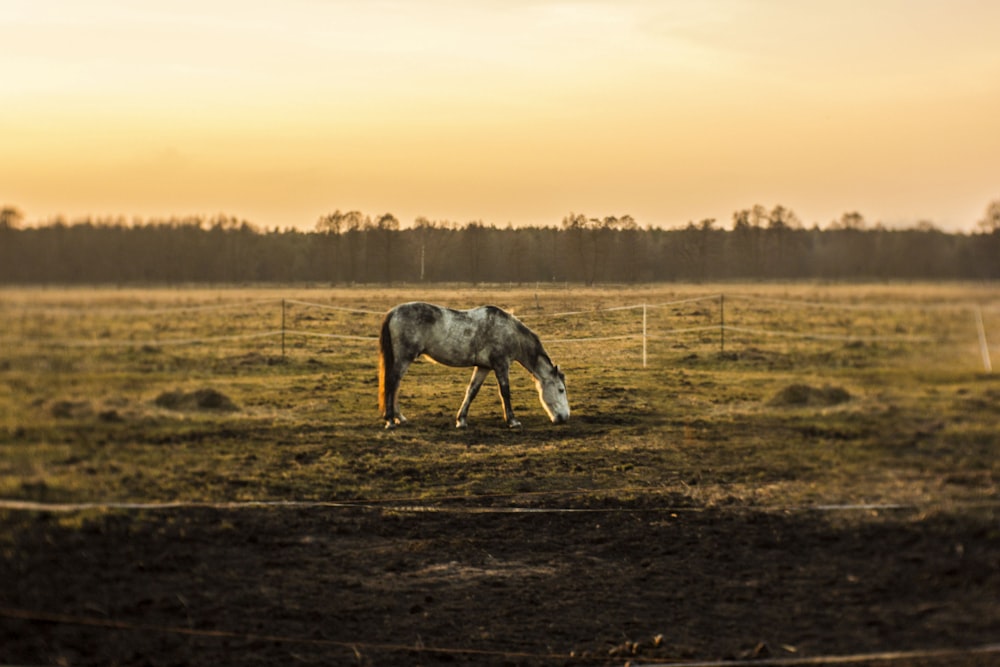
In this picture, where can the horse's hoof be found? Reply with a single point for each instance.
(513, 423)
(461, 424)
(390, 426)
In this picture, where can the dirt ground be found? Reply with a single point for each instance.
(607, 584)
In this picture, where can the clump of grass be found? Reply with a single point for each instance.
(66, 409)
(807, 395)
(200, 399)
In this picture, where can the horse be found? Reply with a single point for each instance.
(486, 338)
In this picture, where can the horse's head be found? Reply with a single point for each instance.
(552, 392)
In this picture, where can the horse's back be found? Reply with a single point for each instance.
(417, 326)
(418, 313)
(422, 316)
(448, 336)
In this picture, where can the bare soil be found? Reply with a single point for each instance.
(606, 584)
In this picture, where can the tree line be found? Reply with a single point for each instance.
(351, 247)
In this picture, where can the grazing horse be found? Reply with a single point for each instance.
(487, 338)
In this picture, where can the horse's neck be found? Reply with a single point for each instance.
(535, 361)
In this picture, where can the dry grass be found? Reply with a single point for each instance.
(82, 371)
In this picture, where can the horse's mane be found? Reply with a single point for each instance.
(531, 343)
(536, 351)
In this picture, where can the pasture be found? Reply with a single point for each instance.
(196, 476)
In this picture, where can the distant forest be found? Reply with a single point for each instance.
(345, 248)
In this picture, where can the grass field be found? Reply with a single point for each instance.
(811, 396)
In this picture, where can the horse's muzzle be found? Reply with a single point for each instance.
(560, 419)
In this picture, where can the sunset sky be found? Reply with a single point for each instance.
(505, 111)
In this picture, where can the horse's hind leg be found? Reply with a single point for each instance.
(396, 414)
(392, 414)
(478, 377)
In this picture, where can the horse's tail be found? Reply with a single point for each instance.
(386, 363)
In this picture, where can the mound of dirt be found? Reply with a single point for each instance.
(71, 409)
(806, 395)
(200, 399)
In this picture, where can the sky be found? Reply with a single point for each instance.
(501, 111)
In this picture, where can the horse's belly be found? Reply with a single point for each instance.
(451, 358)
(455, 352)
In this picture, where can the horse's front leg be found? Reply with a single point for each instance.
(504, 382)
(478, 377)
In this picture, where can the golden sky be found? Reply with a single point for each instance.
(505, 111)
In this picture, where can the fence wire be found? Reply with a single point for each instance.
(717, 318)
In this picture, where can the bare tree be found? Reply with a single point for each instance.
(386, 227)
(331, 223)
(10, 218)
(990, 222)
(783, 218)
(852, 220)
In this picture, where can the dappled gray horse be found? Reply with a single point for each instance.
(487, 338)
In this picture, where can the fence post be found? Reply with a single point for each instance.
(282, 329)
(984, 348)
(643, 335)
(722, 324)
